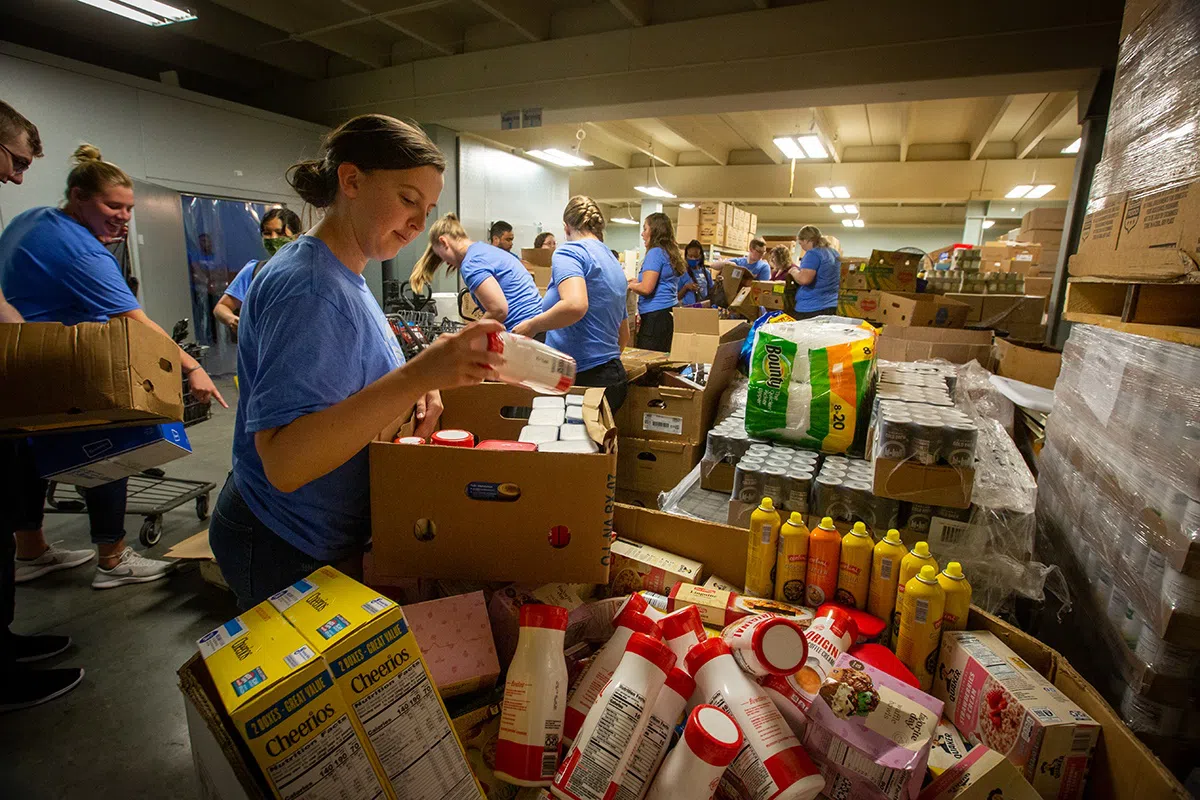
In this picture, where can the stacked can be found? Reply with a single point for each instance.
(785, 474)
(728, 441)
(927, 434)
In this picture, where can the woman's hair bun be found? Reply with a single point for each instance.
(314, 185)
(86, 152)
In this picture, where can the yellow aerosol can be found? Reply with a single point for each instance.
(761, 550)
(923, 607)
(791, 565)
(910, 566)
(958, 597)
(854, 567)
(885, 578)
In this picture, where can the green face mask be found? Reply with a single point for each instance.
(273, 245)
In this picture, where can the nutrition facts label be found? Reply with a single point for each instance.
(330, 766)
(413, 739)
(635, 782)
(599, 757)
(747, 776)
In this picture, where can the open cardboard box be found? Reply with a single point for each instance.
(699, 332)
(909, 309)
(1037, 366)
(917, 344)
(649, 465)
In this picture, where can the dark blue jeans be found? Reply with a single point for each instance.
(105, 504)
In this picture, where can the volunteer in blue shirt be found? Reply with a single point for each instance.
(54, 268)
(818, 276)
(321, 372)
(696, 286)
(584, 313)
(497, 279)
(657, 283)
(278, 227)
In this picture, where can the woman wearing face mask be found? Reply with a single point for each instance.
(278, 227)
(657, 282)
(321, 372)
(54, 268)
(696, 286)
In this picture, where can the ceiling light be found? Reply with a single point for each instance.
(858, 223)
(1018, 192)
(812, 147)
(839, 209)
(559, 158)
(1073, 147)
(654, 191)
(841, 191)
(1041, 190)
(687, 205)
(849, 223)
(147, 12)
(624, 221)
(787, 145)
(825, 191)
(851, 208)
(987, 223)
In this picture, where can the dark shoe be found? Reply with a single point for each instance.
(34, 648)
(25, 688)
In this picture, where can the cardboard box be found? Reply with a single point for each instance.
(638, 362)
(983, 774)
(455, 636)
(504, 613)
(1160, 232)
(93, 374)
(859, 304)
(1098, 236)
(1052, 218)
(1021, 265)
(917, 344)
(916, 483)
(537, 256)
(649, 465)
(720, 548)
(909, 309)
(686, 233)
(1046, 237)
(996, 256)
(688, 217)
(716, 476)
(700, 332)
(769, 294)
(1000, 310)
(636, 566)
(541, 276)
(1039, 286)
(1039, 367)
(996, 699)
(1028, 332)
(496, 515)
(94, 458)
(887, 271)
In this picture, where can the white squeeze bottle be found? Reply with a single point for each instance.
(627, 622)
(711, 740)
(615, 724)
(530, 363)
(535, 699)
(771, 764)
(682, 629)
(649, 753)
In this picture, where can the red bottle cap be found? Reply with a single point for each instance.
(704, 652)
(506, 445)
(713, 735)
(496, 342)
(408, 440)
(681, 683)
(634, 601)
(537, 615)
(866, 626)
(653, 650)
(843, 623)
(791, 649)
(454, 438)
(684, 621)
(884, 660)
(637, 622)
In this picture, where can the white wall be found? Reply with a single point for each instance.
(859, 242)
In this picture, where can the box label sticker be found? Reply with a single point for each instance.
(214, 640)
(286, 598)
(299, 656)
(373, 607)
(661, 423)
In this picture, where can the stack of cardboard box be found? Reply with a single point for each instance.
(884, 272)
(716, 225)
(1044, 226)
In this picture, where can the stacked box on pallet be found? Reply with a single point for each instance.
(1119, 504)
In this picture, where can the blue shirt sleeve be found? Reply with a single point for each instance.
(762, 271)
(96, 282)
(566, 263)
(812, 260)
(475, 270)
(241, 284)
(655, 261)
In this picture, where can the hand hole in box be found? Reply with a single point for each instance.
(647, 456)
(560, 536)
(515, 412)
(165, 365)
(425, 530)
(148, 386)
(657, 402)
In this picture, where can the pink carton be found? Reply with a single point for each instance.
(869, 733)
(456, 642)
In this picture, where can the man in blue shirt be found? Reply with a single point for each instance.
(754, 261)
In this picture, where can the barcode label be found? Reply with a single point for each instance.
(885, 569)
(889, 781)
(946, 532)
(1081, 742)
(661, 423)
(550, 756)
(215, 639)
(298, 657)
(1044, 714)
(922, 611)
(373, 607)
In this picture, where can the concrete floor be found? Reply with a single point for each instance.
(121, 733)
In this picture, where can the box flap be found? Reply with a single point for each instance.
(698, 333)
(193, 548)
(720, 548)
(537, 256)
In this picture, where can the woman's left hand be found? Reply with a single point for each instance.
(429, 411)
(203, 388)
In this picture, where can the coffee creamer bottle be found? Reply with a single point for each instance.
(910, 567)
(761, 550)
(958, 597)
(791, 566)
(885, 577)
(824, 550)
(923, 607)
(854, 567)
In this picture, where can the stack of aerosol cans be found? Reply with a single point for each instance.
(843, 490)
(784, 474)
(728, 441)
(927, 434)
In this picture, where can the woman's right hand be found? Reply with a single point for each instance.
(459, 359)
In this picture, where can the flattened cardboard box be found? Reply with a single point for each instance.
(87, 375)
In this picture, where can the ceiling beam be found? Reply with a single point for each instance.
(429, 31)
(906, 119)
(411, 8)
(828, 134)
(750, 126)
(1051, 111)
(531, 18)
(989, 116)
(630, 136)
(636, 11)
(695, 135)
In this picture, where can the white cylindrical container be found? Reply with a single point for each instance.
(766, 644)
(615, 724)
(648, 756)
(535, 699)
(682, 629)
(831, 633)
(629, 620)
(530, 363)
(711, 740)
(652, 605)
(771, 764)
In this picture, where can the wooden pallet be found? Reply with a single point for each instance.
(1167, 311)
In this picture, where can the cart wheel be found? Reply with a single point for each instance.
(202, 506)
(151, 531)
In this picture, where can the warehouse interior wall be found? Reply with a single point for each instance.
(859, 242)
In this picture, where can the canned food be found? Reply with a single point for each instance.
(748, 481)
(962, 437)
(797, 487)
(919, 517)
(773, 483)
(895, 436)
(925, 445)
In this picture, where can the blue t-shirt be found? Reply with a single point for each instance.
(311, 335)
(704, 283)
(52, 269)
(241, 284)
(484, 261)
(666, 291)
(593, 340)
(823, 292)
(761, 270)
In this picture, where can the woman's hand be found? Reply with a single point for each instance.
(526, 328)
(459, 359)
(429, 411)
(203, 388)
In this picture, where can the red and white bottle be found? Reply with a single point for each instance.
(648, 757)
(682, 630)
(641, 601)
(532, 364)
(766, 644)
(831, 633)
(771, 765)
(711, 740)
(613, 727)
(627, 622)
(535, 699)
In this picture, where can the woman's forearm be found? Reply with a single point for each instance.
(224, 314)
(559, 315)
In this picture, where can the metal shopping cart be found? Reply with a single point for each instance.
(416, 330)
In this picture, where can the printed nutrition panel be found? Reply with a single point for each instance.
(598, 759)
(404, 721)
(331, 766)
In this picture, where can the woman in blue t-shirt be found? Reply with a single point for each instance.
(497, 279)
(657, 283)
(279, 226)
(321, 372)
(696, 286)
(584, 313)
(818, 276)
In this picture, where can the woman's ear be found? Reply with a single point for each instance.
(349, 179)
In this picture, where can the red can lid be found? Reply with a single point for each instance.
(653, 650)
(704, 652)
(454, 438)
(866, 626)
(842, 623)
(712, 735)
(684, 621)
(537, 615)
(780, 644)
(637, 622)
(408, 440)
(884, 660)
(679, 682)
(505, 444)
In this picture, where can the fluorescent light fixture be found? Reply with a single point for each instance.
(787, 145)
(987, 223)
(858, 223)
(558, 157)
(623, 221)
(687, 205)
(841, 192)
(654, 191)
(851, 208)
(839, 209)
(825, 191)
(848, 223)
(1073, 147)
(812, 146)
(1018, 192)
(147, 12)
(1041, 190)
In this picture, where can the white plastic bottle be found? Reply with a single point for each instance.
(771, 764)
(766, 644)
(530, 363)
(648, 755)
(615, 724)
(682, 629)
(535, 699)
(711, 740)
(831, 633)
(627, 622)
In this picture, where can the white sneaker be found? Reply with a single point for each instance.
(132, 568)
(52, 560)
